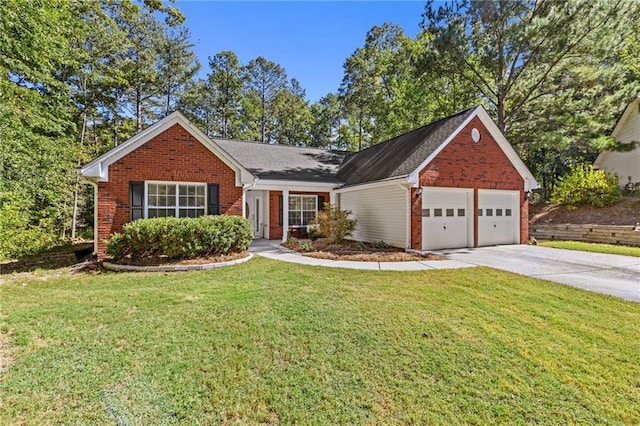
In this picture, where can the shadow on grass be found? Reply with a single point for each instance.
(58, 257)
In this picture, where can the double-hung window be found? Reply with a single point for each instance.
(175, 199)
(302, 209)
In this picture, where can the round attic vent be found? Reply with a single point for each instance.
(475, 135)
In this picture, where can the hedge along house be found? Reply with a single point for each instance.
(453, 183)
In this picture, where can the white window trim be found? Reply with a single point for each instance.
(177, 207)
(302, 196)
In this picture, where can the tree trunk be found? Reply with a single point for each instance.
(138, 110)
(74, 215)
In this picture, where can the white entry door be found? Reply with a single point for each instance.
(447, 218)
(253, 210)
(498, 217)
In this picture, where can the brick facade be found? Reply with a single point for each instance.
(467, 164)
(275, 229)
(173, 156)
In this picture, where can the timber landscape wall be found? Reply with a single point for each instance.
(608, 234)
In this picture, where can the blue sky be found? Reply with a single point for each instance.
(311, 40)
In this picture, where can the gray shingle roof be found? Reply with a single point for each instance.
(285, 162)
(401, 155)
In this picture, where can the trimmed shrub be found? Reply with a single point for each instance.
(584, 185)
(181, 238)
(334, 224)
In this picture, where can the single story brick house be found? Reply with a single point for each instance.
(454, 183)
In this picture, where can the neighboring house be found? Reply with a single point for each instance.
(453, 183)
(625, 164)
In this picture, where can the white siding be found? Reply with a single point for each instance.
(624, 164)
(381, 212)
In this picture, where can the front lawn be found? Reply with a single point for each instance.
(274, 342)
(592, 247)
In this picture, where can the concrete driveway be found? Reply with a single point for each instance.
(603, 273)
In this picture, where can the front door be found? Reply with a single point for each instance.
(254, 213)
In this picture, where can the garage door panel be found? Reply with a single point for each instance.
(498, 217)
(445, 218)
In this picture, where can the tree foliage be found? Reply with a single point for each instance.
(548, 72)
(78, 78)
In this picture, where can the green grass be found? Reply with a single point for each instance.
(592, 247)
(272, 342)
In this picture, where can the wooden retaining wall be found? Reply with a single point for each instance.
(608, 234)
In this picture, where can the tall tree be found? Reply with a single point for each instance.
(198, 103)
(264, 81)
(547, 71)
(176, 66)
(383, 95)
(292, 116)
(327, 116)
(225, 83)
(37, 148)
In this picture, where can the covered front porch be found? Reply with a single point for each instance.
(277, 210)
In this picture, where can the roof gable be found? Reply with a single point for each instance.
(631, 112)
(99, 168)
(408, 154)
(401, 155)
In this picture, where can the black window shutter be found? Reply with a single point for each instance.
(280, 209)
(320, 202)
(213, 195)
(136, 200)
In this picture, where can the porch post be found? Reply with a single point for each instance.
(244, 202)
(285, 215)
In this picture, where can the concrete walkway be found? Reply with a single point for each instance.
(602, 273)
(272, 250)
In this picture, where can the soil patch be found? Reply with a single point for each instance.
(624, 212)
(55, 258)
(357, 251)
(6, 355)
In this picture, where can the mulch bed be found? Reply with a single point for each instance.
(161, 261)
(358, 251)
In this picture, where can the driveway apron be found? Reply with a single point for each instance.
(602, 273)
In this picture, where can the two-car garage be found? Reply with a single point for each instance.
(448, 217)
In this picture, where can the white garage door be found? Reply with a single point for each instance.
(498, 217)
(447, 218)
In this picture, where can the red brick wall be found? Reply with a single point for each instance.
(466, 164)
(275, 229)
(173, 156)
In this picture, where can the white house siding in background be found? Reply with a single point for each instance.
(381, 212)
(624, 164)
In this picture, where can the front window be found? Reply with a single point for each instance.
(175, 199)
(302, 209)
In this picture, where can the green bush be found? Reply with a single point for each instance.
(379, 244)
(584, 185)
(306, 246)
(313, 232)
(181, 238)
(21, 234)
(334, 224)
